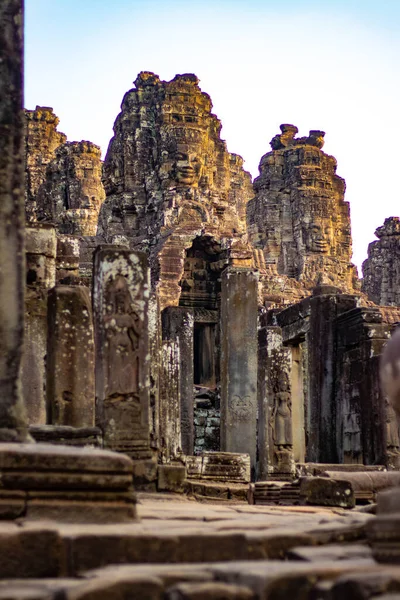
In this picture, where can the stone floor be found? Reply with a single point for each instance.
(184, 549)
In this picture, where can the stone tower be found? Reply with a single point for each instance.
(42, 139)
(169, 180)
(381, 269)
(63, 178)
(299, 218)
(72, 192)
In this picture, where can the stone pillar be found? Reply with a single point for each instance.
(40, 248)
(366, 429)
(239, 361)
(275, 426)
(326, 304)
(67, 264)
(120, 302)
(70, 357)
(12, 415)
(170, 414)
(177, 326)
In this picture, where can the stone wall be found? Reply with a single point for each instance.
(381, 269)
(207, 421)
(346, 417)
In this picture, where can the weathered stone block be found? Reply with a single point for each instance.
(208, 591)
(322, 491)
(116, 588)
(66, 484)
(170, 478)
(33, 552)
(70, 357)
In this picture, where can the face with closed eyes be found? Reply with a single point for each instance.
(318, 237)
(187, 166)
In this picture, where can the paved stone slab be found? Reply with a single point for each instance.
(35, 589)
(111, 588)
(34, 552)
(366, 583)
(208, 591)
(331, 552)
(169, 574)
(274, 579)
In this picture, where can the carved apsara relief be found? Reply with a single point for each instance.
(123, 329)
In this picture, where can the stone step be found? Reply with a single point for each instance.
(78, 485)
(243, 580)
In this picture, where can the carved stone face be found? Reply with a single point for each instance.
(187, 166)
(317, 238)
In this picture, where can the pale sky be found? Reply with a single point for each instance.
(330, 65)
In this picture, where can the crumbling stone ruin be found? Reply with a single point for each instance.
(226, 264)
(63, 178)
(172, 188)
(299, 219)
(381, 269)
(182, 317)
(42, 139)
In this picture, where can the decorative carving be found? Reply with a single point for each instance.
(241, 407)
(120, 301)
(281, 416)
(392, 429)
(123, 328)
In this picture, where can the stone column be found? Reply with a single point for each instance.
(70, 357)
(67, 263)
(120, 302)
(275, 423)
(12, 414)
(367, 431)
(177, 326)
(40, 247)
(326, 304)
(170, 414)
(239, 361)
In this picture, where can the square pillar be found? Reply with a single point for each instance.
(239, 361)
(121, 290)
(177, 330)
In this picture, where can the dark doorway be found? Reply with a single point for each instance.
(204, 354)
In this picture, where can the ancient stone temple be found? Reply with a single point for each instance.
(176, 193)
(381, 270)
(173, 190)
(64, 178)
(299, 218)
